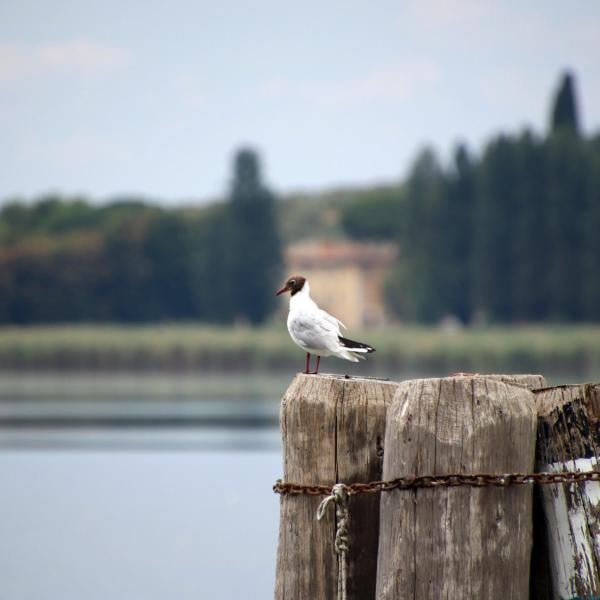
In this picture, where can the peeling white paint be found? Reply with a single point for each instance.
(571, 513)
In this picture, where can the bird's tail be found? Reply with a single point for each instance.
(355, 349)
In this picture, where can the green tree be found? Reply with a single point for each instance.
(529, 239)
(457, 235)
(416, 286)
(590, 284)
(128, 290)
(166, 250)
(374, 214)
(564, 214)
(564, 109)
(565, 206)
(494, 256)
(214, 295)
(49, 279)
(254, 266)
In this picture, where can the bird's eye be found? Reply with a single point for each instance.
(292, 282)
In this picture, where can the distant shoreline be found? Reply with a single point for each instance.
(173, 348)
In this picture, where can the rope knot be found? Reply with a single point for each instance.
(339, 496)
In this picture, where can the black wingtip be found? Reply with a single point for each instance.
(352, 344)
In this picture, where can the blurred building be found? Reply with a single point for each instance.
(346, 278)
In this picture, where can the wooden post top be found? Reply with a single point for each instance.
(549, 398)
(529, 380)
(342, 377)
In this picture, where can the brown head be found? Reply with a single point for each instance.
(293, 285)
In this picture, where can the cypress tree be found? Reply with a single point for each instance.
(564, 110)
(564, 214)
(209, 254)
(457, 229)
(415, 289)
(255, 250)
(530, 240)
(493, 254)
(565, 205)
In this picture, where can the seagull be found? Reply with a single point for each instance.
(315, 330)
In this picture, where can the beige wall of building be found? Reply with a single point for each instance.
(346, 278)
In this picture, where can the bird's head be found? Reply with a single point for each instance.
(293, 285)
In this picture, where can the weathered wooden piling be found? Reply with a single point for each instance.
(568, 537)
(457, 542)
(332, 429)
(529, 380)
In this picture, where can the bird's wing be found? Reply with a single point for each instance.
(316, 330)
(331, 319)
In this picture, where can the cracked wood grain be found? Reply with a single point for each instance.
(449, 543)
(332, 431)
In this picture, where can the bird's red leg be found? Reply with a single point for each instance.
(307, 363)
(318, 361)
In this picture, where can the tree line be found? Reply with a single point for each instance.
(68, 260)
(511, 235)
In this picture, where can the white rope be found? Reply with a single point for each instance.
(339, 497)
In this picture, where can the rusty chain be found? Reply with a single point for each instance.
(432, 481)
(340, 492)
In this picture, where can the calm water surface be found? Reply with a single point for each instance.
(149, 487)
(167, 507)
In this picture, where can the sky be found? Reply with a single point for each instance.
(113, 98)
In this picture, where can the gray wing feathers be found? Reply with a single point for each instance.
(331, 319)
(316, 334)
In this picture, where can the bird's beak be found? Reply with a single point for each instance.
(282, 290)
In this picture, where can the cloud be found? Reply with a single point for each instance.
(83, 58)
(395, 83)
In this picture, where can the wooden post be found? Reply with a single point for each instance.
(332, 430)
(461, 542)
(568, 536)
(530, 381)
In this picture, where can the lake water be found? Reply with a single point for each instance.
(138, 486)
(136, 496)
